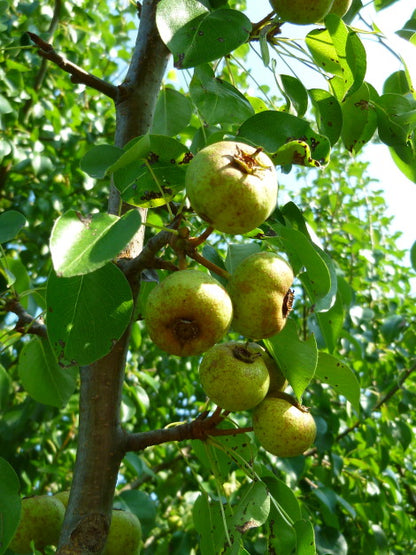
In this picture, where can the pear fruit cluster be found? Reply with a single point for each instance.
(305, 12)
(233, 187)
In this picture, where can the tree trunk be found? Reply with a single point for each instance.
(101, 442)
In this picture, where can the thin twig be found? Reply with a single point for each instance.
(78, 75)
(26, 323)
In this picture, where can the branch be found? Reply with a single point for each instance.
(201, 428)
(78, 75)
(26, 323)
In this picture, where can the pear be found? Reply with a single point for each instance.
(283, 427)
(187, 313)
(232, 186)
(234, 375)
(125, 534)
(301, 12)
(40, 521)
(260, 292)
(63, 497)
(340, 7)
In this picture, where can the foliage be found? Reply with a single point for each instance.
(348, 348)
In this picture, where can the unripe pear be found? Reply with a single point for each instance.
(260, 292)
(301, 12)
(282, 427)
(232, 186)
(234, 375)
(125, 534)
(40, 521)
(340, 7)
(188, 312)
(63, 497)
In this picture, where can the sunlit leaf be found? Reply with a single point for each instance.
(172, 113)
(11, 222)
(332, 371)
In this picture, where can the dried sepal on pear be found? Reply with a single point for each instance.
(232, 186)
(187, 313)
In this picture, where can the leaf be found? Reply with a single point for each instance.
(332, 371)
(81, 245)
(11, 222)
(87, 314)
(172, 113)
(331, 323)
(413, 255)
(10, 504)
(284, 498)
(97, 160)
(5, 383)
(237, 252)
(392, 327)
(252, 509)
(42, 377)
(272, 130)
(142, 505)
(208, 523)
(296, 92)
(195, 35)
(329, 114)
(404, 156)
(396, 117)
(5, 106)
(305, 538)
(297, 359)
(217, 100)
(360, 119)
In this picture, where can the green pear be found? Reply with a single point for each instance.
(187, 313)
(125, 534)
(260, 292)
(63, 497)
(283, 427)
(40, 521)
(301, 12)
(234, 375)
(232, 186)
(340, 7)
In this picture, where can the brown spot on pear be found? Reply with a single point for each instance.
(232, 186)
(234, 375)
(258, 289)
(282, 428)
(187, 313)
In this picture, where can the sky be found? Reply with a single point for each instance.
(400, 192)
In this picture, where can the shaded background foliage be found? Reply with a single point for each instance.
(357, 484)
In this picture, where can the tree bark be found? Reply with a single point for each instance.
(101, 442)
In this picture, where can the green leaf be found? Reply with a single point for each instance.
(297, 359)
(216, 100)
(5, 106)
(209, 524)
(305, 538)
(252, 509)
(5, 383)
(273, 130)
(296, 92)
(332, 371)
(392, 327)
(328, 114)
(11, 222)
(42, 377)
(413, 255)
(10, 504)
(237, 252)
(142, 505)
(87, 314)
(195, 35)
(360, 119)
(81, 245)
(172, 113)
(396, 117)
(331, 323)
(284, 498)
(97, 160)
